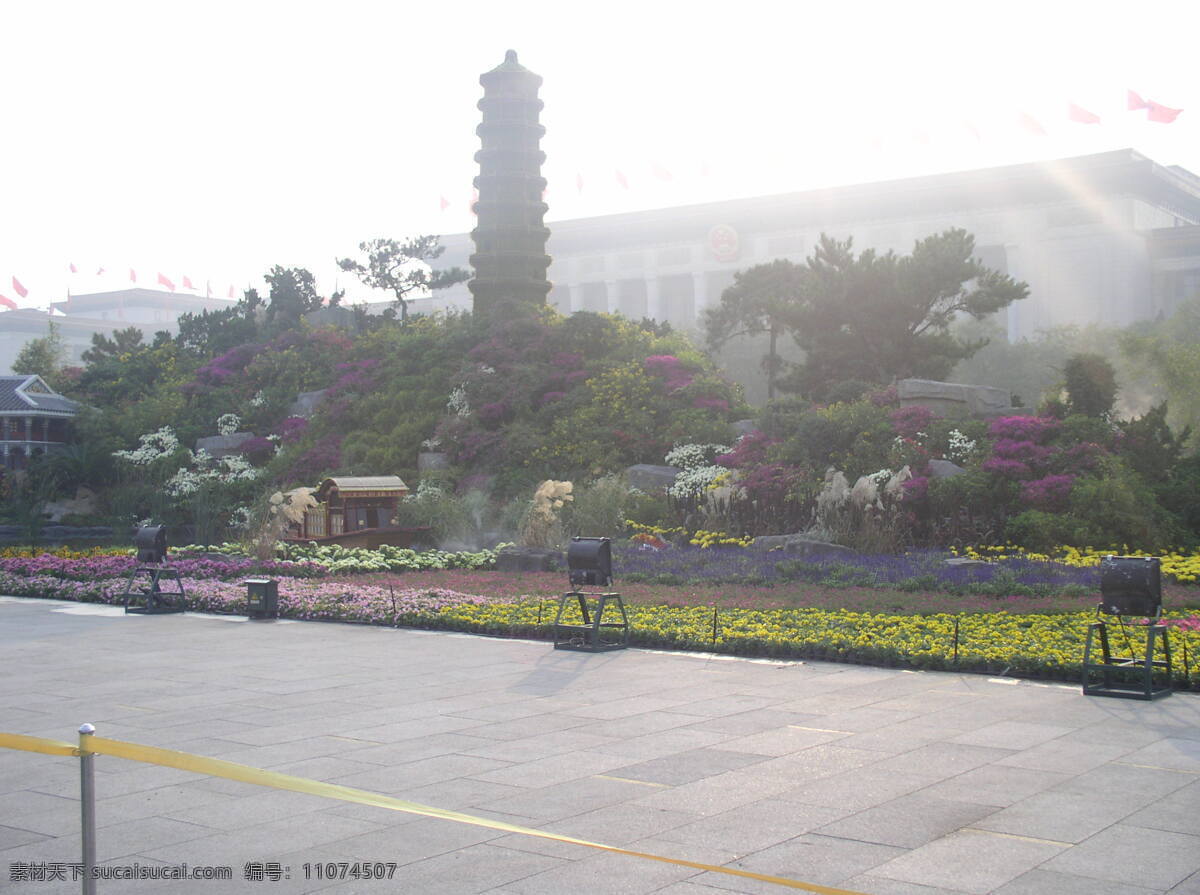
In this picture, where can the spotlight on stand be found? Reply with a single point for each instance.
(589, 564)
(1130, 586)
(150, 542)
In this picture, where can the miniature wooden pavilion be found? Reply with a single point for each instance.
(356, 511)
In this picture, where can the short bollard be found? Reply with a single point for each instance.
(87, 807)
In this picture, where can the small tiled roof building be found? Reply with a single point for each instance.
(34, 419)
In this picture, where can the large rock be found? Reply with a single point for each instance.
(306, 403)
(223, 445)
(82, 504)
(954, 400)
(944, 469)
(432, 461)
(647, 477)
(529, 559)
(800, 544)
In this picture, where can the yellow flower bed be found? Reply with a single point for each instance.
(1049, 645)
(1183, 567)
(62, 552)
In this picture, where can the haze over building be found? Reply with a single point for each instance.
(1108, 238)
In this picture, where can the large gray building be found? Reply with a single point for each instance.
(1106, 238)
(80, 317)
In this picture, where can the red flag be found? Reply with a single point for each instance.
(100, 271)
(1133, 102)
(1031, 124)
(73, 268)
(621, 179)
(8, 302)
(578, 182)
(1161, 114)
(187, 283)
(18, 288)
(163, 281)
(660, 172)
(132, 275)
(445, 203)
(1081, 115)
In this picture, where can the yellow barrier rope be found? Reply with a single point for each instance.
(215, 767)
(36, 744)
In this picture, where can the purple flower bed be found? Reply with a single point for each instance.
(923, 570)
(99, 567)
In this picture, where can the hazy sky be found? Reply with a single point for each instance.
(217, 139)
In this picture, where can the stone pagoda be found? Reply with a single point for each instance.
(510, 259)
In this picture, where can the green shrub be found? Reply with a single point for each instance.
(1091, 384)
(599, 509)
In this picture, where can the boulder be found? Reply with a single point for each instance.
(745, 427)
(944, 469)
(306, 403)
(954, 400)
(83, 504)
(223, 445)
(529, 559)
(956, 561)
(647, 477)
(800, 544)
(431, 461)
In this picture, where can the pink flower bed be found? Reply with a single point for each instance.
(298, 597)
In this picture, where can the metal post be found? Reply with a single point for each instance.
(87, 805)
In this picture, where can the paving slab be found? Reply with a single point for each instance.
(881, 781)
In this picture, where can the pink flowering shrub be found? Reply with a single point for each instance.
(908, 421)
(670, 369)
(292, 429)
(916, 488)
(1049, 493)
(1006, 469)
(1023, 428)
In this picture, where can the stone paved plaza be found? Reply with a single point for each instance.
(880, 781)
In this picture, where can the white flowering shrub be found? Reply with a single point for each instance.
(695, 482)
(960, 447)
(228, 423)
(697, 474)
(204, 469)
(151, 447)
(458, 403)
(690, 456)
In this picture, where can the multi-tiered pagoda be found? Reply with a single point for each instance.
(510, 259)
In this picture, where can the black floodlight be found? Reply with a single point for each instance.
(589, 562)
(1131, 585)
(262, 597)
(151, 543)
